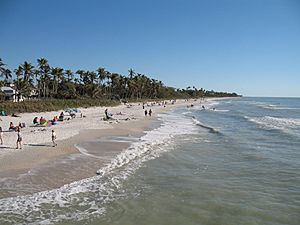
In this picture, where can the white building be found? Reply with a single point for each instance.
(11, 94)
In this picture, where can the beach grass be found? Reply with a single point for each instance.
(46, 105)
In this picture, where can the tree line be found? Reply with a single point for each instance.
(59, 83)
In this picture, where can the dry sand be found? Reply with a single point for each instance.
(51, 167)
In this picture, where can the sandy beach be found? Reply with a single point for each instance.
(51, 167)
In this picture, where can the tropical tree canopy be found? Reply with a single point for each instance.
(56, 82)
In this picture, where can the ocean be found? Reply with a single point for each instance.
(235, 162)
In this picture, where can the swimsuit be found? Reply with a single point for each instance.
(19, 137)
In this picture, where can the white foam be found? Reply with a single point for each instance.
(221, 110)
(92, 193)
(270, 122)
(86, 152)
(197, 122)
(277, 107)
(265, 105)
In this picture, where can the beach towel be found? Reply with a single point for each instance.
(3, 113)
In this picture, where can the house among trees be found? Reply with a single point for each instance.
(9, 94)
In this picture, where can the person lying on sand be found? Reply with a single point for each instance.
(15, 115)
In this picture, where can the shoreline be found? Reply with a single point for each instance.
(52, 167)
(45, 165)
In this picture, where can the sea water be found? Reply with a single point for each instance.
(235, 162)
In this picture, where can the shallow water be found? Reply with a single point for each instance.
(237, 162)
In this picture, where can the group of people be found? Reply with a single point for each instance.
(19, 135)
(148, 113)
(15, 128)
(43, 121)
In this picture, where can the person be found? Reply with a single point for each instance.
(53, 138)
(11, 126)
(73, 115)
(22, 125)
(1, 135)
(146, 112)
(42, 120)
(150, 112)
(19, 138)
(106, 114)
(54, 120)
(35, 120)
(61, 116)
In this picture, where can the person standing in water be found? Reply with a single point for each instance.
(19, 138)
(54, 138)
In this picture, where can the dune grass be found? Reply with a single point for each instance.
(45, 105)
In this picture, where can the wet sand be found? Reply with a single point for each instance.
(41, 167)
(44, 167)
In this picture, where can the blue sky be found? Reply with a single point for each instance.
(251, 47)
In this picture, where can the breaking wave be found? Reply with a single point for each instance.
(269, 122)
(83, 199)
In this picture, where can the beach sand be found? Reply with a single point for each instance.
(39, 166)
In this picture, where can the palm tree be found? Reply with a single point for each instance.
(7, 74)
(2, 67)
(70, 75)
(4, 72)
(19, 73)
(81, 74)
(131, 73)
(27, 71)
(102, 74)
(44, 71)
(92, 76)
(57, 75)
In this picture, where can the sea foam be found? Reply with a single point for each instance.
(85, 198)
(270, 122)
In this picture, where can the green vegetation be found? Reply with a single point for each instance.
(57, 88)
(52, 105)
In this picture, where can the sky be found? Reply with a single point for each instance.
(251, 47)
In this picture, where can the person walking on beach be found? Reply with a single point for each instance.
(19, 138)
(106, 114)
(150, 112)
(146, 112)
(1, 135)
(54, 138)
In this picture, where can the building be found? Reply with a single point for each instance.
(11, 94)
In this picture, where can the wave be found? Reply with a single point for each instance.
(208, 105)
(86, 198)
(221, 110)
(272, 106)
(276, 107)
(269, 122)
(211, 129)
